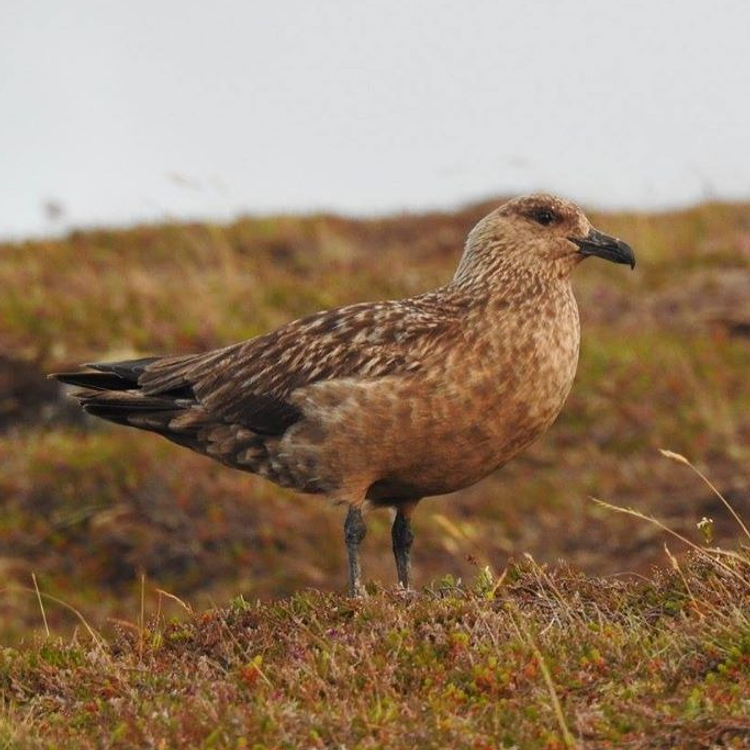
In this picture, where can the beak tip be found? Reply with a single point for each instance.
(628, 254)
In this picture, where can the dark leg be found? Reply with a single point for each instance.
(402, 537)
(354, 533)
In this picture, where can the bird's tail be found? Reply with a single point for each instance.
(111, 390)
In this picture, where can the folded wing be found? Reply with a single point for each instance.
(248, 385)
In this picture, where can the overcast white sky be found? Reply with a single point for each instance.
(124, 111)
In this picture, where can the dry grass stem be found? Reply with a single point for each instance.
(681, 459)
(41, 604)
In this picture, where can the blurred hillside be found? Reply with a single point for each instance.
(89, 507)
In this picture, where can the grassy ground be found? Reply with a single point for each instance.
(535, 659)
(89, 509)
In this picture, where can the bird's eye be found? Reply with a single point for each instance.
(544, 217)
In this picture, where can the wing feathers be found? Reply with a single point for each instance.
(249, 384)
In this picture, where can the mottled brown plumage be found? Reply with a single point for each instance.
(386, 402)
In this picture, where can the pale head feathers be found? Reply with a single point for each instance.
(529, 235)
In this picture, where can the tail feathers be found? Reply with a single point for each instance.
(111, 390)
(155, 394)
(132, 408)
(120, 376)
(127, 369)
(95, 381)
(109, 376)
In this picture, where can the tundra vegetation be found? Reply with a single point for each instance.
(151, 598)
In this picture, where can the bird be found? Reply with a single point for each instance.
(381, 404)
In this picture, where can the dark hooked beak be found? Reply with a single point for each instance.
(599, 244)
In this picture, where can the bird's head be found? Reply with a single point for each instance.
(540, 233)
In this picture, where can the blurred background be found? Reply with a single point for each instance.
(178, 176)
(115, 113)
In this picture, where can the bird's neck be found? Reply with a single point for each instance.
(490, 265)
(511, 287)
